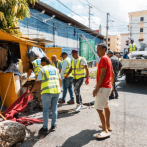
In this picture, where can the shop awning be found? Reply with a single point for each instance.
(8, 37)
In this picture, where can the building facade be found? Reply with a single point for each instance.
(114, 43)
(138, 27)
(64, 31)
(124, 42)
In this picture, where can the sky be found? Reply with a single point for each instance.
(118, 10)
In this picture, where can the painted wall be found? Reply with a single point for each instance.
(60, 33)
(124, 38)
(135, 24)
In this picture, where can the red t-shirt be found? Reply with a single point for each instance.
(105, 62)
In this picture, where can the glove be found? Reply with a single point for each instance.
(87, 81)
(65, 76)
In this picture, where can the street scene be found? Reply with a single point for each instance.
(73, 73)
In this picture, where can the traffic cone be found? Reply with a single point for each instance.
(95, 64)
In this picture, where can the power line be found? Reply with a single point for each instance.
(69, 8)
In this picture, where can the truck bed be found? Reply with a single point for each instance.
(138, 64)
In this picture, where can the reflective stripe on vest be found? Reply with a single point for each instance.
(58, 64)
(132, 48)
(36, 66)
(78, 71)
(50, 80)
(67, 69)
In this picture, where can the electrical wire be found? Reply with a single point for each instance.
(69, 9)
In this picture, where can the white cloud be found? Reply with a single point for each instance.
(118, 10)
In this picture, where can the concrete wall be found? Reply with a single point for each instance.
(63, 35)
(115, 43)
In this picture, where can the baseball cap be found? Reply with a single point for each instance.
(132, 39)
(110, 52)
(64, 53)
(126, 51)
(74, 51)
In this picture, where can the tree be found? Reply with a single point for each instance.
(11, 11)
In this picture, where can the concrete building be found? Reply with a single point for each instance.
(124, 42)
(64, 31)
(138, 26)
(114, 43)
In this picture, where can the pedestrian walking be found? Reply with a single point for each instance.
(116, 68)
(56, 63)
(105, 77)
(35, 65)
(78, 67)
(48, 78)
(68, 81)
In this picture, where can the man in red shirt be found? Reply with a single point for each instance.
(105, 77)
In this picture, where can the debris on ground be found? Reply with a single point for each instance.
(11, 133)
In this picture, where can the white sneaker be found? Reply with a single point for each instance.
(78, 108)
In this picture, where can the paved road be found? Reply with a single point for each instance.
(128, 121)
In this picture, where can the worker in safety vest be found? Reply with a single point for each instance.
(66, 82)
(78, 67)
(48, 78)
(132, 46)
(35, 65)
(56, 63)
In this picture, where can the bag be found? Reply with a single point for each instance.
(36, 52)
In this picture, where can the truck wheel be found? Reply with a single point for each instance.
(132, 79)
(128, 78)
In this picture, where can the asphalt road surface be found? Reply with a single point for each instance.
(128, 121)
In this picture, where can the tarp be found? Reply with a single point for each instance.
(85, 50)
(18, 106)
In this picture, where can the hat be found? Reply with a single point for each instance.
(132, 40)
(74, 51)
(126, 51)
(110, 52)
(64, 53)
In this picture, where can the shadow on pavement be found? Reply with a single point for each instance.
(80, 139)
(138, 87)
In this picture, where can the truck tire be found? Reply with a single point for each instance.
(128, 78)
(132, 79)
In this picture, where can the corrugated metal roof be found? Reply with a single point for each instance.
(64, 18)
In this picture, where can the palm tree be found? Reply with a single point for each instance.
(11, 11)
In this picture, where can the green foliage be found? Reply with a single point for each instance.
(11, 11)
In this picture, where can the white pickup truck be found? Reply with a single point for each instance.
(136, 67)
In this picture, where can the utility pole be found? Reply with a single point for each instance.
(107, 27)
(89, 14)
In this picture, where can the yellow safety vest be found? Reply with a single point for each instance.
(67, 68)
(58, 63)
(50, 80)
(132, 48)
(78, 71)
(36, 66)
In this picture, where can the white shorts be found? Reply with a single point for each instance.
(102, 98)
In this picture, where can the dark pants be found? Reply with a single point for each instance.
(77, 85)
(114, 92)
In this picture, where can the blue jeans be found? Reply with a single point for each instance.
(47, 100)
(67, 84)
